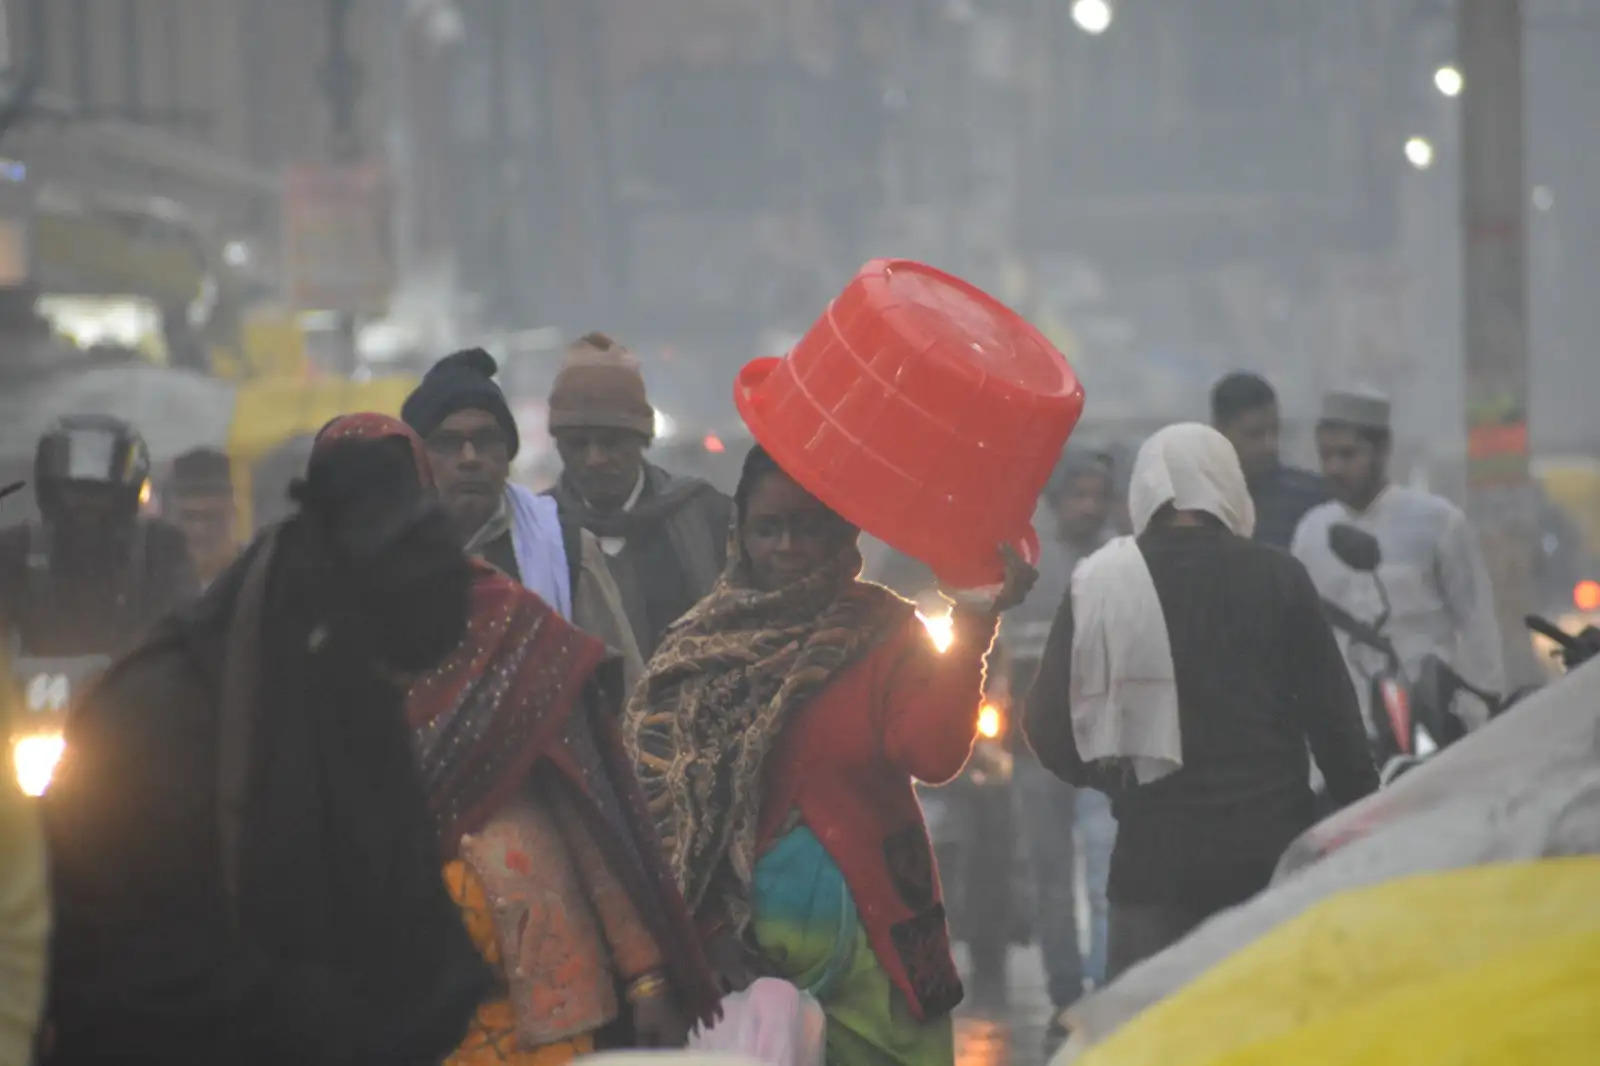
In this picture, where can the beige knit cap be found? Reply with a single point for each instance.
(600, 387)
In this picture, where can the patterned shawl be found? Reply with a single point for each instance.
(719, 691)
(514, 701)
(501, 701)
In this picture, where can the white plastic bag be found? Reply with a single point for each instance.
(666, 1057)
(772, 1022)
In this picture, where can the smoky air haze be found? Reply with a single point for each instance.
(1169, 191)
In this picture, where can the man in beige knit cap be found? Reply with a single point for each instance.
(665, 537)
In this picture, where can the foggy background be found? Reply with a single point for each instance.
(1170, 190)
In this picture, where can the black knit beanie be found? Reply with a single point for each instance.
(463, 381)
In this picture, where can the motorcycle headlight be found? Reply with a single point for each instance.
(991, 721)
(35, 756)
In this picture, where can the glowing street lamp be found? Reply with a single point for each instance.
(1419, 152)
(1092, 16)
(1447, 79)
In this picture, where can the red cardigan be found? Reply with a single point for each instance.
(847, 761)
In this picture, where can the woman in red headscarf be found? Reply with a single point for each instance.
(548, 849)
(242, 860)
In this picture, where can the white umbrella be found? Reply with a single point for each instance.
(175, 410)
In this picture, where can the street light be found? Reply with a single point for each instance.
(1447, 79)
(1543, 198)
(1419, 152)
(1092, 16)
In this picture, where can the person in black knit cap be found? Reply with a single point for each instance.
(462, 416)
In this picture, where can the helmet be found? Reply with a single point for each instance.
(91, 450)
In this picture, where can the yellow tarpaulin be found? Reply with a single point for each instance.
(1488, 966)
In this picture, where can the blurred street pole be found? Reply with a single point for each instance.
(33, 50)
(1494, 194)
(341, 82)
(502, 289)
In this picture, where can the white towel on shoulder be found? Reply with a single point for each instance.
(1124, 688)
(1124, 691)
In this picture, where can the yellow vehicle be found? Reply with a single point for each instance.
(1572, 485)
(274, 420)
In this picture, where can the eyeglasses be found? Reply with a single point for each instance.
(490, 443)
(800, 525)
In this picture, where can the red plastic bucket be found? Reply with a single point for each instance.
(922, 410)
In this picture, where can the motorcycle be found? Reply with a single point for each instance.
(972, 822)
(1408, 718)
(1572, 651)
(46, 686)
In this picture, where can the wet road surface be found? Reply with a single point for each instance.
(1012, 1035)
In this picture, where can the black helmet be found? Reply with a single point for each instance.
(91, 450)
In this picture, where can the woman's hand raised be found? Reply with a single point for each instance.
(1019, 580)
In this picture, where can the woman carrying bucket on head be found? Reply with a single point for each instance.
(777, 734)
(782, 722)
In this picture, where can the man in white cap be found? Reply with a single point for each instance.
(1432, 568)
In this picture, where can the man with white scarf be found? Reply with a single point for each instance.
(1188, 671)
(462, 416)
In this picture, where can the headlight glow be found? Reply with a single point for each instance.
(991, 722)
(35, 757)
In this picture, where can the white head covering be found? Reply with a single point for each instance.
(1361, 407)
(1194, 468)
(1124, 690)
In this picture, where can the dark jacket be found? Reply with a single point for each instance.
(1259, 677)
(1282, 498)
(675, 545)
(597, 606)
(55, 612)
(242, 866)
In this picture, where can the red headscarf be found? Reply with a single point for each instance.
(372, 426)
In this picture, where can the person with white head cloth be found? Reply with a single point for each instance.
(1188, 671)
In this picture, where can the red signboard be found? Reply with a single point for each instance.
(1497, 453)
(336, 238)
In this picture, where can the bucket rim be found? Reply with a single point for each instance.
(1070, 386)
(755, 374)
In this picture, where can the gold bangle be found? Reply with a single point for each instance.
(650, 986)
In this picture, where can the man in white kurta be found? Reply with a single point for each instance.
(1438, 587)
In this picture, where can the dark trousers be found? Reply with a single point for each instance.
(1140, 930)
